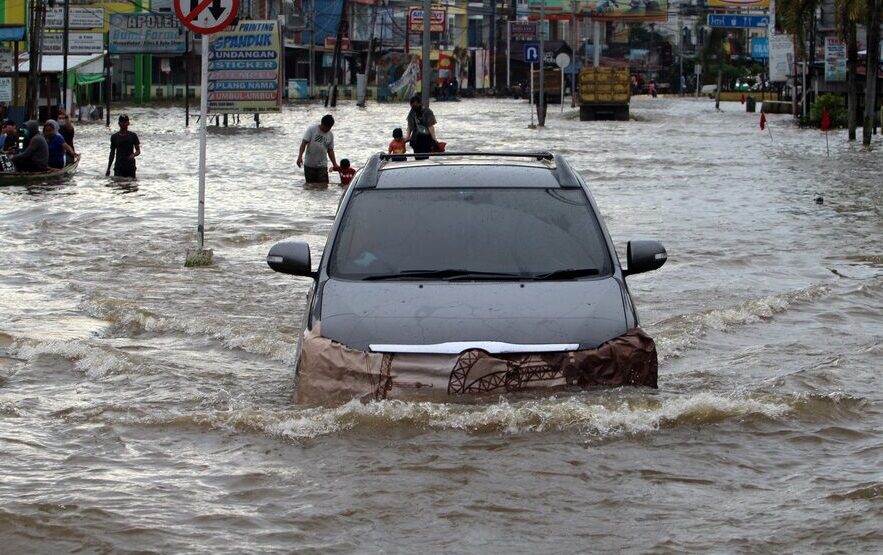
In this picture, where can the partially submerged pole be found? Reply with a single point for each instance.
(541, 105)
(427, 46)
(64, 47)
(201, 256)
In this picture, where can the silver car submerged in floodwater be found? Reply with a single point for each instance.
(467, 273)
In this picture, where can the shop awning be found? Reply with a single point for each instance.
(82, 79)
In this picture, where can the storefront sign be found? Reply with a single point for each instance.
(78, 43)
(438, 24)
(245, 74)
(760, 48)
(146, 34)
(522, 30)
(77, 18)
(5, 59)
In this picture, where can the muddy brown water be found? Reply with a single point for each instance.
(145, 408)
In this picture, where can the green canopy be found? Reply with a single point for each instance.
(89, 78)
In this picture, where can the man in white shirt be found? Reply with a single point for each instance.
(318, 142)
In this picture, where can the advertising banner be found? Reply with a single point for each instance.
(146, 34)
(78, 43)
(245, 70)
(760, 48)
(835, 59)
(604, 10)
(438, 23)
(5, 58)
(77, 18)
(738, 4)
(781, 52)
(5, 89)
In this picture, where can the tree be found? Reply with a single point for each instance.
(796, 17)
(873, 11)
(849, 12)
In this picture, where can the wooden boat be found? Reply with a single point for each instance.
(21, 178)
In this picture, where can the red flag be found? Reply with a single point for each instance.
(826, 120)
(762, 121)
(743, 99)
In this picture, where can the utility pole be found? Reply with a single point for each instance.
(427, 50)
(493, 44)
(332, 97)
(38, 19)
(312, 16)
(364, 93)
(575, 32)
(541, 105)
(64, 47)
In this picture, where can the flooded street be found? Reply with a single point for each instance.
(145, 407)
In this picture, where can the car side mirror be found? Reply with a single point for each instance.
(291, 257)
(644, 256)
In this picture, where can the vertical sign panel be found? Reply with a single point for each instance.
(245, 70)
(835, 59)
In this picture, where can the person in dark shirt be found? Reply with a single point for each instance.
(35, 156)
(66, 128)
(124, 146)
(421, 126)
(57, 146)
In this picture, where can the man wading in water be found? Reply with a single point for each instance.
(125, 146)
(318, 142)
(421, 126)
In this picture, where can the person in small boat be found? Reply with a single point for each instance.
(35, 156)
(57, 146)
(124, 146)
(66, 128)
(9, 138)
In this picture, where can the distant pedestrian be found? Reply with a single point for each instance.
(683, 84)
(421, 126)
(318, 143)
(125, 147)
(66, 128)
(652, 88)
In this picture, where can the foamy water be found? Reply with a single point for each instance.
(146, 407)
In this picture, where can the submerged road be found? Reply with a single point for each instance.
(147, 408)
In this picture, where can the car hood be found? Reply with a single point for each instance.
(580, 312)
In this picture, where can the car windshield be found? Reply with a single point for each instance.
(475, 233)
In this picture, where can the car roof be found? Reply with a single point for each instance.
(469, 169)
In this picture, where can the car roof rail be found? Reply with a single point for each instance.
(562, 171)
(504, 154)
(564, 174)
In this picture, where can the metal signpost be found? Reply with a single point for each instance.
(562, 61)
(531, 56)
(204, 17)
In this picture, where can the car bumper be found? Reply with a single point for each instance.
(330, 373)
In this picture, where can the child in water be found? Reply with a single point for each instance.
(347, 173)
(397, 144)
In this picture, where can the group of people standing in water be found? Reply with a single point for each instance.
(317, 145)
(29, 150)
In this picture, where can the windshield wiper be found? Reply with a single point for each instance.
(447, 275)
(569, 273)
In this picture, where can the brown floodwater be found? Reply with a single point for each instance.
(145, 407)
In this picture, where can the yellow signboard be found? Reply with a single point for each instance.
(743, 4)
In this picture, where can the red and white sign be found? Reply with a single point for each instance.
(206, 16)
(437, 24)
